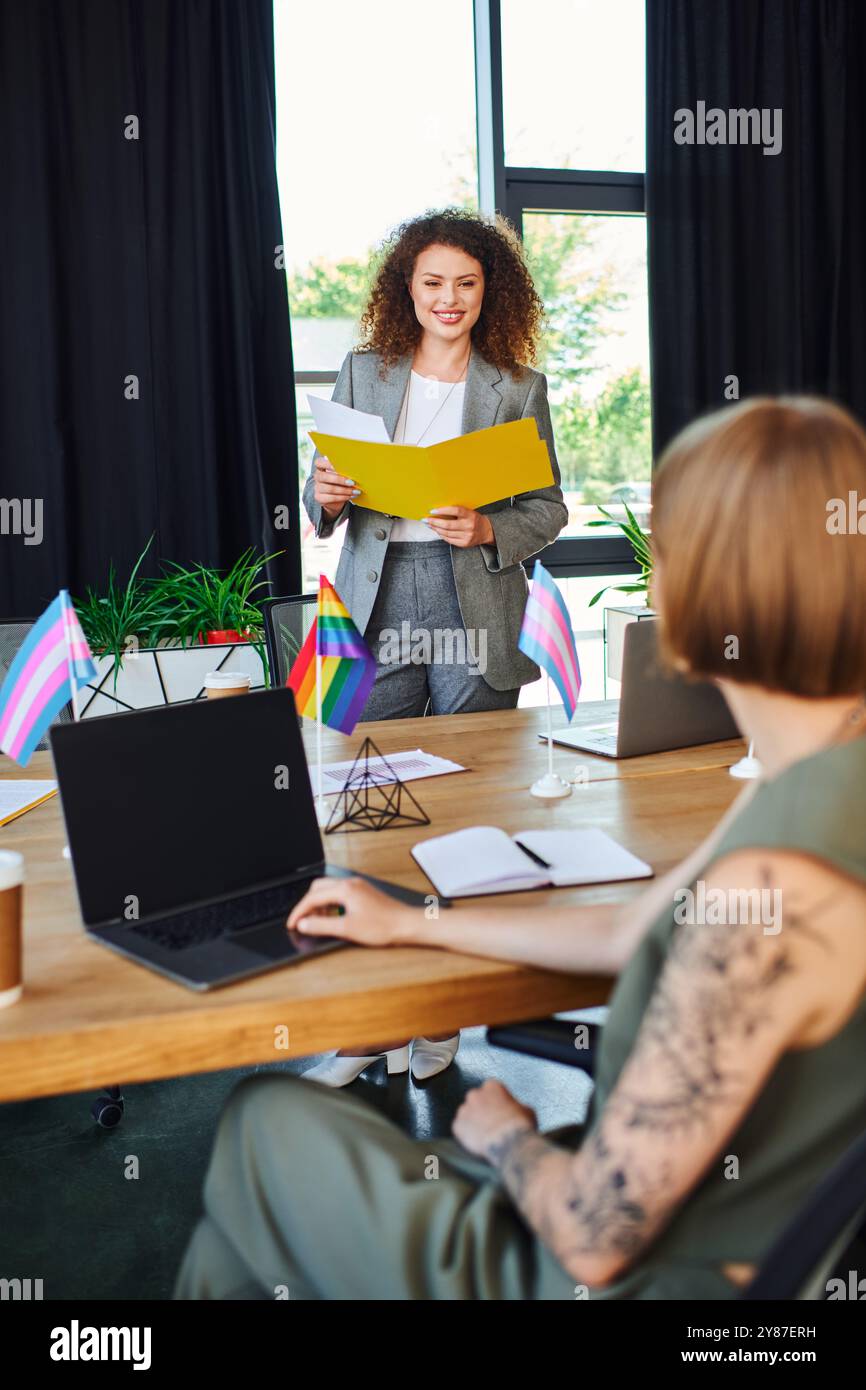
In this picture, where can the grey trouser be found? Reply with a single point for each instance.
(416, 633)
(314, 1194)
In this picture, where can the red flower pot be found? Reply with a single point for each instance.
(221, 636)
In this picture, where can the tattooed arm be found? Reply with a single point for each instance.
(730, 999)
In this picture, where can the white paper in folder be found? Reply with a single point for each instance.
(333, 418)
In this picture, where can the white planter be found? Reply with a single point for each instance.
(616, 620)
(164, 676)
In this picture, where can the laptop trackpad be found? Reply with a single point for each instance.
(275, 942)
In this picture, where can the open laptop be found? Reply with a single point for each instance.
(658, 709)
(193, 832)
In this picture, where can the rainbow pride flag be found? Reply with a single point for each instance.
(547, 639)
(39, 681)
(348, 667)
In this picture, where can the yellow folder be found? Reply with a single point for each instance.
(408, 480)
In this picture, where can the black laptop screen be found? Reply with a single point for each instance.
(172, 806)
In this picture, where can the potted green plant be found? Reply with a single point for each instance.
(640, 545)
(617, 618)
(159, 637)
(123, 618)
(203, 605)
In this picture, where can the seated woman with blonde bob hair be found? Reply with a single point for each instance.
(733, 1049)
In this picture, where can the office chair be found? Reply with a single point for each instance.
(287, 621)
(804, 1256)
(551, 1039)
(815, 1242)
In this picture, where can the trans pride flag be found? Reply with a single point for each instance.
(39, 682)
(348, 667)
(547, 639)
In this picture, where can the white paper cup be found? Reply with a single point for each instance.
(220, 683)
(11, 879)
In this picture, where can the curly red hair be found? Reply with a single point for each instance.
(507, 330)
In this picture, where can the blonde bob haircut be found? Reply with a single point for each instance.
(756, 526)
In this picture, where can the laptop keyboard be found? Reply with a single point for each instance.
(201, 924)
(606, 741)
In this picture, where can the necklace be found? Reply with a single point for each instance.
(441, 406)
(849, 723)
(845, 727)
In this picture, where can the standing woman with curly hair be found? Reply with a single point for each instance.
(451, 324)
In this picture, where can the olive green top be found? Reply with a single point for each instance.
(812, 1106)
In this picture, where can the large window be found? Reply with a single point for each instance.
(375, 123)
(591, 273)
(388, 108)
(573, 84)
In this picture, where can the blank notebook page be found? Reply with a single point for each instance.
(583, 856)
(468, 860)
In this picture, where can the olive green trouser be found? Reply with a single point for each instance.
(313, 1194)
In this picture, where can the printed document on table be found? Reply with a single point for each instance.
(407, 766)
(18, 796)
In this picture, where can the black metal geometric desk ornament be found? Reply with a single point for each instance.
(373, 799)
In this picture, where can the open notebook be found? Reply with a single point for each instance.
(484, 859)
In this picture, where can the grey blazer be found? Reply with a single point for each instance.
(490, 579)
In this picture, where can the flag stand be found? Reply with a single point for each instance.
(341, 687)
(749, 767)
(66, 853)
(73, 684)
(321, 809)
(550, 787)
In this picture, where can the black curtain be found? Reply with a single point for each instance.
(757, 263)
(139, 227)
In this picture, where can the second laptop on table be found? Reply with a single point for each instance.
(658, 709)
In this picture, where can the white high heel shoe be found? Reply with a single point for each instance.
(340, 1071)
(429, 1058)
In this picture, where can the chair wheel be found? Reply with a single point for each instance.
(107, 1110)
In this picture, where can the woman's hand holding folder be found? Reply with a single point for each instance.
(331, 490)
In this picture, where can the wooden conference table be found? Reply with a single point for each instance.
(89, 1017)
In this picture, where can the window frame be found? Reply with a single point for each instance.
(513, 191)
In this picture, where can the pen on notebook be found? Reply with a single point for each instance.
(537, 857)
